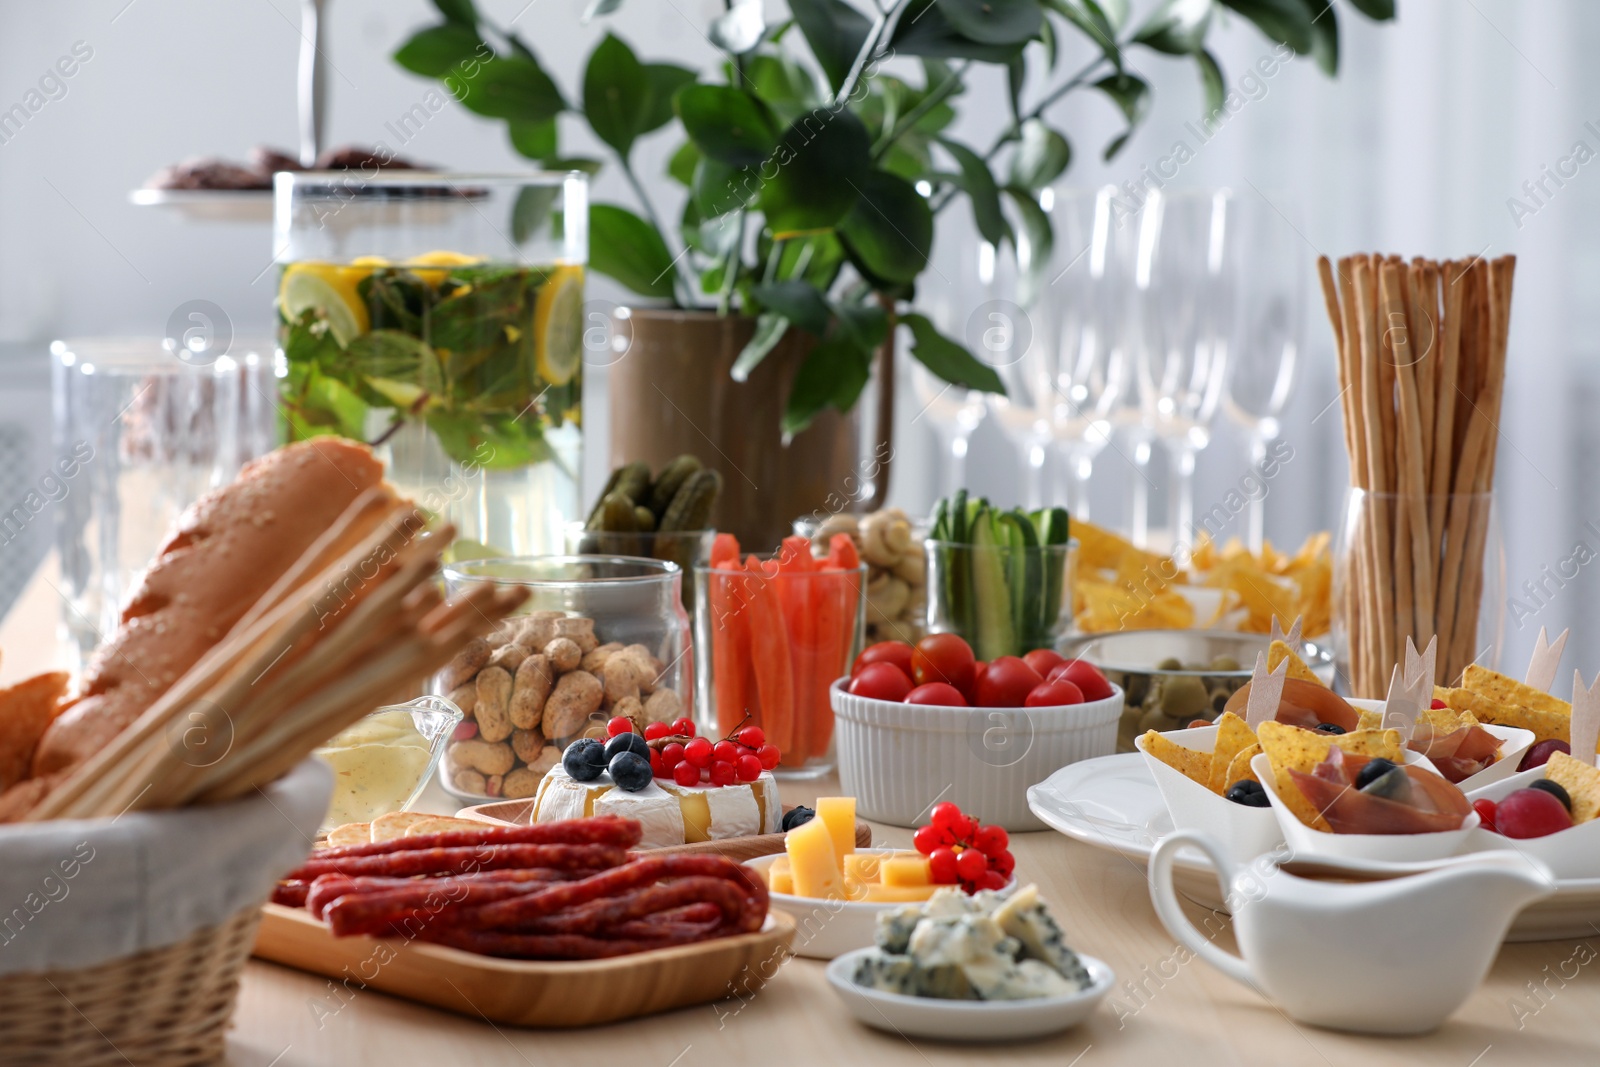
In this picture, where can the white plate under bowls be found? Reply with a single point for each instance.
(968, 1020)
(1113, 803)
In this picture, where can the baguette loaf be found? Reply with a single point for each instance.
(229, 548)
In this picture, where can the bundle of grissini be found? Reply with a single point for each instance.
(1422, 359)
(286, 605)
(556, 891)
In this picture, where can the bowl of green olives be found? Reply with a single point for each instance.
(1170, 678)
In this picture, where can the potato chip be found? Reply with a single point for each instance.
(351, 833)
(1503, 690)
(1581, 781)
(1239, 769)
(394, 824)
(1233, 737)
(1291, 748)
(1546, 725)
(25, 710)
(1189, 762)
(1277, 652)
(442, 824)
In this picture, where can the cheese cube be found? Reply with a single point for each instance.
(839, 815)
(780, 881)
(907, 871)
(899, 894)
(862, 866)
(812, 858)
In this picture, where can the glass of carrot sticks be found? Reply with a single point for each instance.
(774, 632)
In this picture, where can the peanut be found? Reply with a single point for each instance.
(465, 697)
(576, 697)
(533, 681)
(493, 709)
(527, 744)
(621, 677)
(469, 781)
(521, 783)
(664, 705)
(594, 661)
(629, 708)
(508, 656)
(580, 630)
(481, 756)
(469, 661)
(564, 654)
(537, 629)
(645, 666)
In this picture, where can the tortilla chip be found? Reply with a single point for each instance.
(1581, 781)
(25, 710)
(1189, 762)
(394, 824)
(1277, 652)
(442, 824)
(1503, 690)
(1447, 720)
(351, 833)
(1233, 737)
(1369, 719)
(1239, 769)
(1291, 748)
(1546, 725)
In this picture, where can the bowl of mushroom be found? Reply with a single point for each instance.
(605, 636)
(891, 545)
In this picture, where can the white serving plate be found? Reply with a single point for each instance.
(967, 1020)
(1113, 803)
(825, 929)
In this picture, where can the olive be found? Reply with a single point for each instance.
(1374, 769)
(1554, 789)
(1330, 728)
(1391, 783)
(1219, 701)
(1247, 792)
(1224, 663)
(1183, 698)
(1153, 719)
(1171, 663)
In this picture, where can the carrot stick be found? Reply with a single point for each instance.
(837, 598)
(771, 663)
(729, 642)
(795, 592)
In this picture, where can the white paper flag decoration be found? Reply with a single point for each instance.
(1542, 667)
(1266, 692)
(1421, 668)
(1585, 716)
(1404, 702)
(1292, 638)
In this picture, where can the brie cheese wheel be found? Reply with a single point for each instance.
(668, 813)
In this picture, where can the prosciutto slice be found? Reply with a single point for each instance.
(1425, 803)
(1458, 754)
(1304, 705)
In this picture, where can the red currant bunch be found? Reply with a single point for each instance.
(962, 851)
(691, 760)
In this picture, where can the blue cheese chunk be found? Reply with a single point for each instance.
(887, 972)
(1025, 918)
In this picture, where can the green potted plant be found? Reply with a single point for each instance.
(810, 176)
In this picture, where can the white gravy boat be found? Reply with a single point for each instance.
(1371, 948)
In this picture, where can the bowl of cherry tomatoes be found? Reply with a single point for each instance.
(918, 724)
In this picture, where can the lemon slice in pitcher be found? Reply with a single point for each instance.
(558, 325)
(440, 258)
(328, 291)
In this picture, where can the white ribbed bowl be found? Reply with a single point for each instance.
(898, 760)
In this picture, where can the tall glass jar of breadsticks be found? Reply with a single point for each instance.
(1422, 358)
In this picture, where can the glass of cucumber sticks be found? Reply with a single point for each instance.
(1002, 580)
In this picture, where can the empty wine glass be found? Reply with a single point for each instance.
(1185, 285)
(1266, 347)
(953, 412)
(1009, 338)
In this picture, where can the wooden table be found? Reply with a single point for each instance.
(1538, 1006)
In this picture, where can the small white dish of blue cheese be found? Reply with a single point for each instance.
(971, 968)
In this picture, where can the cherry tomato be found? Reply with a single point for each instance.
(979, 669)
(896, 652)
(938, 694)
(1007, 683)
(1054, 695)
(1044, 660)
(880, 681)
(943, 658)
(1085, 675)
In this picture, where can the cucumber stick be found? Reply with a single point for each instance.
(994, 625)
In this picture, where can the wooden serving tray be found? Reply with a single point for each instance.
(739, 849)
(553, 994)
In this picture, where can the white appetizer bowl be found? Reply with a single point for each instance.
(968, 1020)
(1569, 853)
(898, 760)
(825, 929)
(1245, 832)
(1306, 843)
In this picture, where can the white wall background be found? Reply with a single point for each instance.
(1434, 123)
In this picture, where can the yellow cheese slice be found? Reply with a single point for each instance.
(812, 858)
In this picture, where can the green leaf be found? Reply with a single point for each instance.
(815, 259)
(616, 94)
(727, 124)
(1132, 97)
(1177, 27)
(948, 360)
(435, 51)
(981, 190)
(836, 33)
(1382, 10)
(665, 81)
(770, 328)
(625, 247)
(1287, 21)
(681, 166)
(782, 84)
(924, 30)
(833, 375)
(1016, 78)
(1090, 18)
(740, 28)
(820, 163)
(719, 188)
(496, 442)
(396, 356)
(890, 227)
(329, 404)
(994, 21)
(1324, 35)
(535, 140)
(530, 212)
(867, 324)
(1042, 155)
(797, 301)
(510, 87)
(1116, 11)
(597, 8)
(1034, 244)
(1211, 81)
(460, 11)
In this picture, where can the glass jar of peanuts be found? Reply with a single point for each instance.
(600, 636)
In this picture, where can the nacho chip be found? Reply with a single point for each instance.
(1289, 748)
(25, 710)
(442, 824)
(1189, 762)
(1503, 690)
(394, 824)
(1546, 725)
(1233, 737)
(1240, 769)
(1370, 719)
(351, 833)
(1277, 652)
(1581, 781)
(1446, 720)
